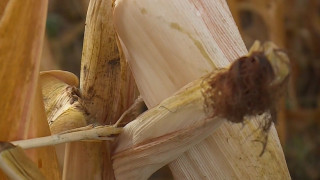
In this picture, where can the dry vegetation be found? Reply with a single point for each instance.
(107, 87)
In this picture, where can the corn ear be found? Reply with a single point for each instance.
(278, 59)
(164, 132)
(171, 69)
(170, 43)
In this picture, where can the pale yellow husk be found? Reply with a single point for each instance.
(164, 132)
(170, 43)
(62, 107)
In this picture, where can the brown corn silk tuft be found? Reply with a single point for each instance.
(266, 23)
(245, 90)
(242, 90)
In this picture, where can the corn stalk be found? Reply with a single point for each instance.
(107, 89)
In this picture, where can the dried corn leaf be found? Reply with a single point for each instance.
(19, 55)
(16, 164)
(3, 5)
(44, 157)
(20, 51)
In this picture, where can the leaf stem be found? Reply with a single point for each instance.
(87, 133)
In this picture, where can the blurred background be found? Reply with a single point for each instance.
(292, 24)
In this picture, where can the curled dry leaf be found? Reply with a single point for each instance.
(22, 28)
(60, 94)
(63, 110)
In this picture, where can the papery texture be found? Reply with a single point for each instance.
(107, 89)
(22, 28)
(170, 43)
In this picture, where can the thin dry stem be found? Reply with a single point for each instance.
(88, 133)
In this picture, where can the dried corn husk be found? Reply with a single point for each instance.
(63, 110)
(60, 97)
(263, 20)
(19, 64)
(170, 43)
(16, 164)
(164, 132)
(3, 5)
(161, 134)
(172, 20)
(45, 157)
(279, 60)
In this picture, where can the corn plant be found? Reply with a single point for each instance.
(176, 51)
